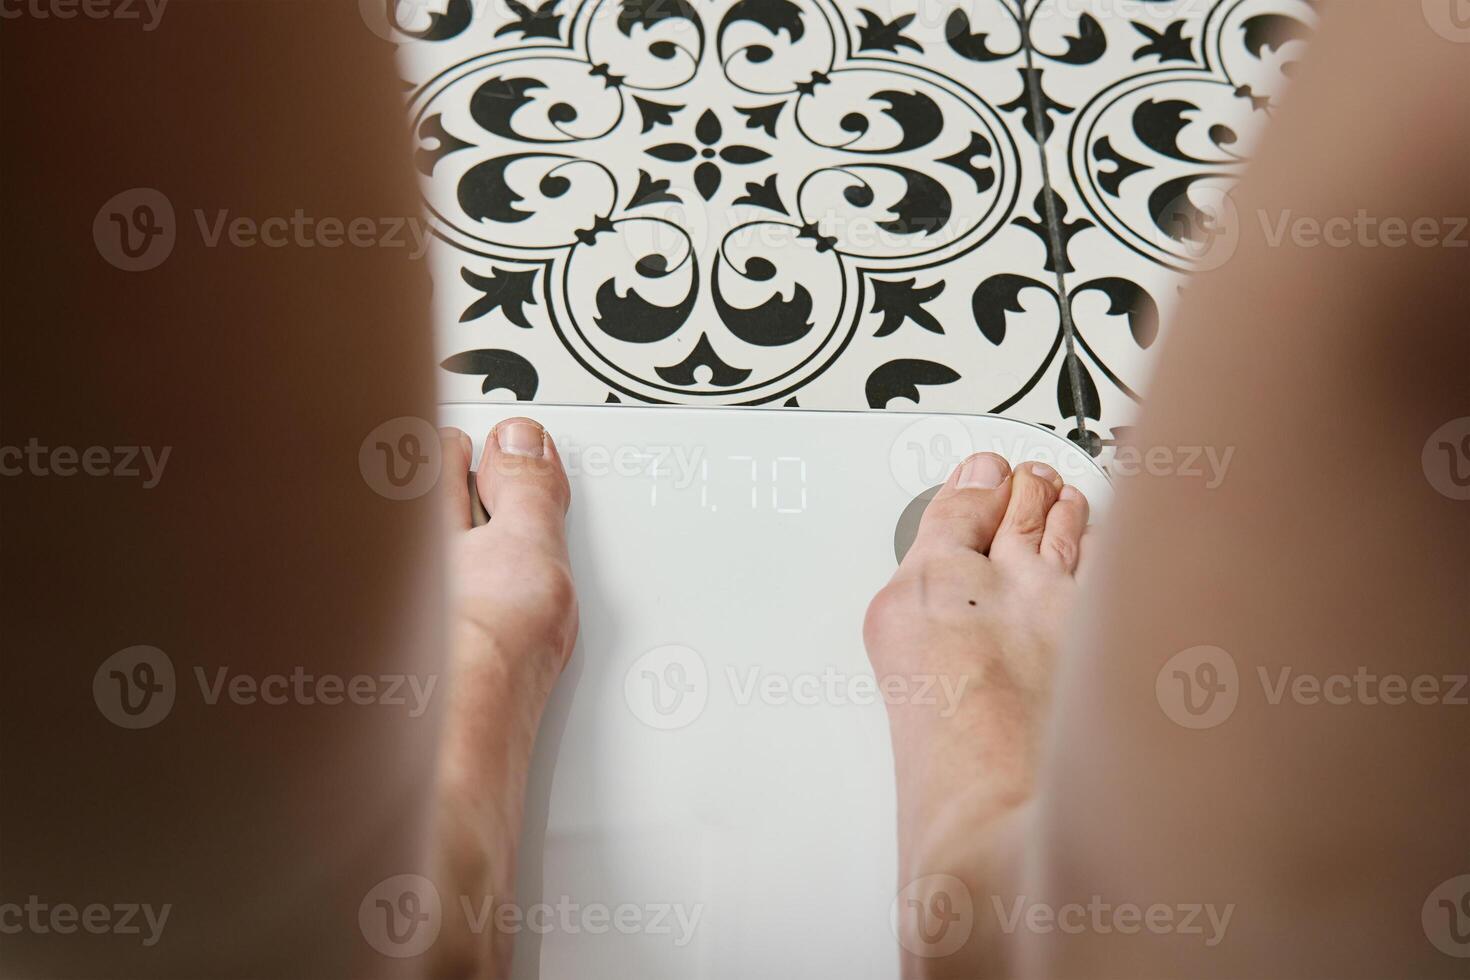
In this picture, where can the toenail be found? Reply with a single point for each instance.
(983, 472)
(1046, 473)
(520, 438)
(447, 432)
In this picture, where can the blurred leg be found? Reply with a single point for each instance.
(262, 550)
(1303, 835)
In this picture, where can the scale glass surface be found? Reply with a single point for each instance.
(712, 792)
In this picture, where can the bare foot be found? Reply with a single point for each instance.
(980, 601)
(514, 624)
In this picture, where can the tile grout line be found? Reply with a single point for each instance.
(1053, 224)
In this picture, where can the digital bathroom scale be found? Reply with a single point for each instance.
(714, 769)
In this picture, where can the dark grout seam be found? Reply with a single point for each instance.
(1053, 222)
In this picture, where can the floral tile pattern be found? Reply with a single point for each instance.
(859, 204)
(1153, 108)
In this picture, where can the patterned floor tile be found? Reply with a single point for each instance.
(781, 202)
(1153, 108)
(829, 204)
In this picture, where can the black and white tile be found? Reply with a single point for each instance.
(826, 204)
(1153, 109)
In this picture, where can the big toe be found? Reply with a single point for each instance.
(522, 482)
(968, 509)
(1034, 490)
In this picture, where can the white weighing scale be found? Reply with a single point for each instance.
(712, 793)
